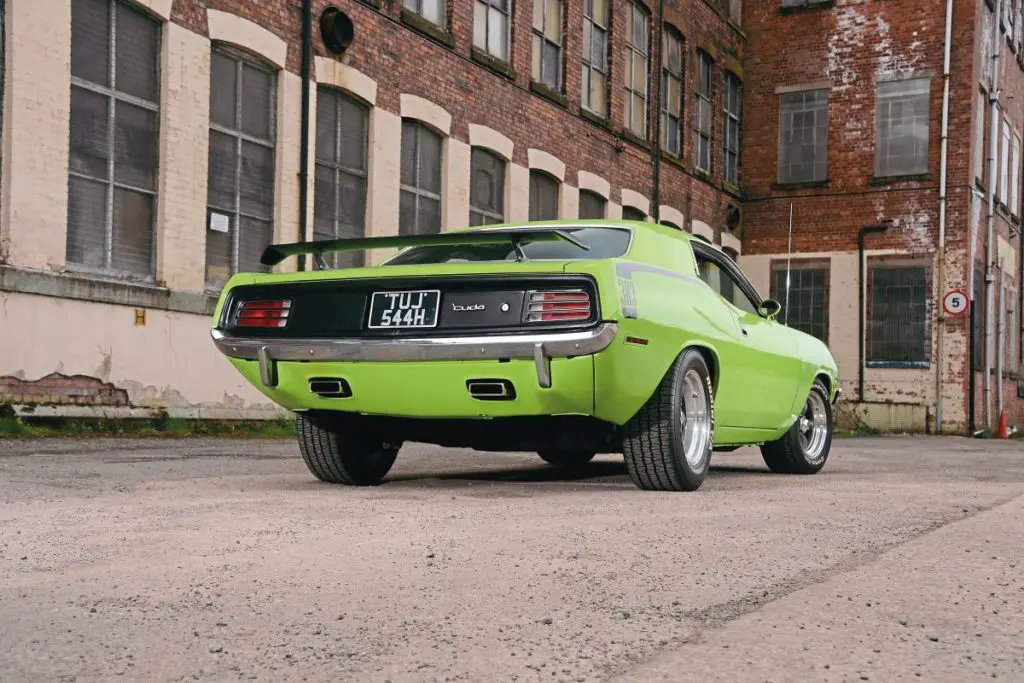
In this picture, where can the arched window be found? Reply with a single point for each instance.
(670, 224)
(420, 196)
(339, 196)
(592, 205)
(486, 187)
(543, 196)
(242, 171)
(631, 213)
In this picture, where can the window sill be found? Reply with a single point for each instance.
(804, 185)
(808, 6)
(493, 64)
(701, 174)
(548, 93)
(596, 119)
(735, 26)
(731, 189)
(630, 136)
(100, 289)
(427, 28)
(677, 161)
(895, 179)
(898, 364)
(375, 4)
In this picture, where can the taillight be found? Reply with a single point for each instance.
(264, 313)
(564, 305)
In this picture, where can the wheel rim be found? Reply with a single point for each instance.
(696, 419)
(812, 428)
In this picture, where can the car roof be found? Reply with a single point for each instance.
(638, 226)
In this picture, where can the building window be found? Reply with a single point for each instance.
(113, 140)
(671, 225)
(808, 296)
(339, 199)
(980, 135)
(547, 43)
(1004, 164)
(902, 134)
(898, 316)
(736, 10)
(702, 113)
(637, 66)
(592, 205)
(1015, 177)
(490, 27)
(431, 10)
(486, 187)
(242, 180)
(732, 129)
(803, 136)
(595, 56)
(543, 196)
(419, 210)
(631, 213)
(671, 91)
(978, 306)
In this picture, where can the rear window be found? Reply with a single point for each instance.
(603, 243)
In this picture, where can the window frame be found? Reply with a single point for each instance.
(241, 58)
(1015, 160)
(733, 120)
(417, 191)
(603, 202)
(1004, 162)
(803, 265)
(337, 169)
(884, 165)
(485, 212)
(416, 7)
(824, 108)
(538, 173)
(671, 33)
(703, 95)
(589, 66)
(494, 6)
(702, 249)
(540, 34)
(633, 53)
(875, 264)
(112, 96)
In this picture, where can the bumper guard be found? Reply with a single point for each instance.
(540, 347)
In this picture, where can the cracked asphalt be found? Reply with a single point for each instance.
(179, 560)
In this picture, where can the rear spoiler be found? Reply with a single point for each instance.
(275, 253)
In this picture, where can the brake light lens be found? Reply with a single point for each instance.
(565, 305)
(264, 313)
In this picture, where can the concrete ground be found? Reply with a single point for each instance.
(226, 560)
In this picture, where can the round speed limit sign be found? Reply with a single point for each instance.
(955, 302)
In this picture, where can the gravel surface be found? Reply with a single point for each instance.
(226, 560)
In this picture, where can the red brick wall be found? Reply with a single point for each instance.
(402, 60)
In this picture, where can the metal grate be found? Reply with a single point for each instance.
(242, 172)
(420, 201)
(808, 298)
(543, 197)
(487, 188)
(339, 193)
(898, 317)
(113, 138)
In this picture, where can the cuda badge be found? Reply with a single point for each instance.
(471, 307)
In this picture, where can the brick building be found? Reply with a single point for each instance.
(844, 129)
(153, 147)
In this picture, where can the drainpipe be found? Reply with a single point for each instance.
(1000, 346)
(862, 361)
(943, 164)
(307, 60)
(656, 154)
(993, 150)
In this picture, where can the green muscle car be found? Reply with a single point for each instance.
(563, 338)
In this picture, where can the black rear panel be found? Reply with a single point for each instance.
(468, 305)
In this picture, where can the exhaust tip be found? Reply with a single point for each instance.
(491, 389)
(330, 387)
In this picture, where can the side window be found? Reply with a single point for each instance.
(723, 283)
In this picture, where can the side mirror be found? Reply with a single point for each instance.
(769, 308)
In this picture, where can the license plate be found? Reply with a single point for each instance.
(402, 310)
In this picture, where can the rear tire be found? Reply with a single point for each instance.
(340, 456)
(667, 444)
(805, 447)
(570, 460)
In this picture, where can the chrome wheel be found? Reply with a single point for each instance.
(696, 418)
(813, 427)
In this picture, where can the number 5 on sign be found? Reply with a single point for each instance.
(955, 302)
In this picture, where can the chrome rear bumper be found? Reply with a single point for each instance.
(540, 347)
